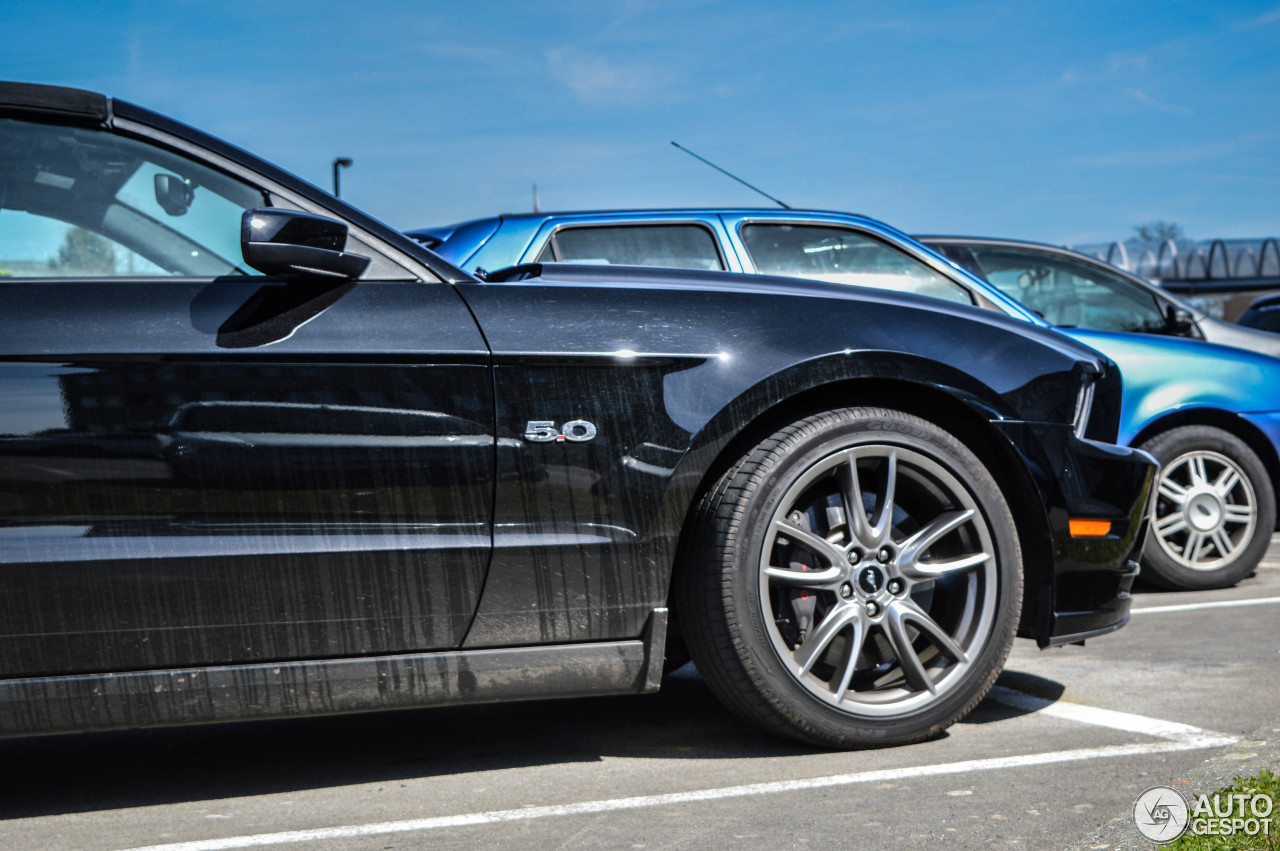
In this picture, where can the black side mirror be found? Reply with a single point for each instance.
(289, 244)
(174, 194)
(1179, 320)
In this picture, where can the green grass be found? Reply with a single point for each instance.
(1265, 782)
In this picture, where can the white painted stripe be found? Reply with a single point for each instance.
(1100, 717)
(679, 798)
(1216, 604)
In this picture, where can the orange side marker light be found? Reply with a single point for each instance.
(1082, 528)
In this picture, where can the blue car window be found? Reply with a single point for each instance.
(80, 202)
(844, 256)
(1265, 316)
(1069, 293)
(679, 246)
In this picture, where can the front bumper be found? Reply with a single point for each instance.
(1071, 627)
(1084, 590)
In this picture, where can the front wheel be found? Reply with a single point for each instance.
(855, 580)
(1213, 510)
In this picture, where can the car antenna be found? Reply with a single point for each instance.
(734, 176)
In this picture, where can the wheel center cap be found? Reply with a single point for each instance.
(1204, 512)
(871, 579)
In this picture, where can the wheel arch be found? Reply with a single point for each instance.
(1227, 421)
(934, 404)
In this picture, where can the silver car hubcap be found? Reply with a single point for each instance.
(1205, 510)
(880, 578)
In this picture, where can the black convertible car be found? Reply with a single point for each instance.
(261, 455)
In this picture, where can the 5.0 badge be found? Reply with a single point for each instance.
(545, 431)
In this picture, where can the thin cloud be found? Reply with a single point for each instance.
(627, 13)
(1173, 156)
(1143, 97)
(597, 79)
(1118, 64)
(464, 52)
(1265, 19)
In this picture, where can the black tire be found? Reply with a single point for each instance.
(776, 648)
(1213, 510)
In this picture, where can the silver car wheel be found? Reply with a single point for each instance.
(881, 577)
(1205, 510)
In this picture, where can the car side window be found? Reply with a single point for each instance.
(1263, 314)
(1069, 293)
(844, 256)
(678, 246)
(81, 202)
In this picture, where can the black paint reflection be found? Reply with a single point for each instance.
(197, 512)
(580, 528)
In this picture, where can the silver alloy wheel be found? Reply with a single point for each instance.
(902, 597)
(1205, 510)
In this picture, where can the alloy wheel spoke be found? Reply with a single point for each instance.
(816, 643)
(1193, 547)
(937, 568)
(1223, 542)
(850, 661)
(815, 544)
(912, 668)
(1199, 476)
(804, 578)
(1172, 491)
(1227, 480)
(912, 548)
(1237, 513)
(884, 499)
(1171, 524)
(854, 512)
(907, 610)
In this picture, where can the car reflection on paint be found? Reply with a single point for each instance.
(234, 440)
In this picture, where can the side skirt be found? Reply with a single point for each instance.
(91, 702)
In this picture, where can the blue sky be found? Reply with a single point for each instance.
(1065, 122)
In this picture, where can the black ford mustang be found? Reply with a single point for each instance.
(261, 455)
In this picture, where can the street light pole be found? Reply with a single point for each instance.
(340, 162)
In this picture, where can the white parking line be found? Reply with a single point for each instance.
(1175, 737)
(1216, 604)
(1125, 721)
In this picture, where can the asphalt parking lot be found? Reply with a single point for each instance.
(1065, 743)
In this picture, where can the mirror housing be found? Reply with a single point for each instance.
(1179, 320)
(174, 194)
(288, 243)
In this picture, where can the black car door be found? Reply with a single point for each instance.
(201, 465)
